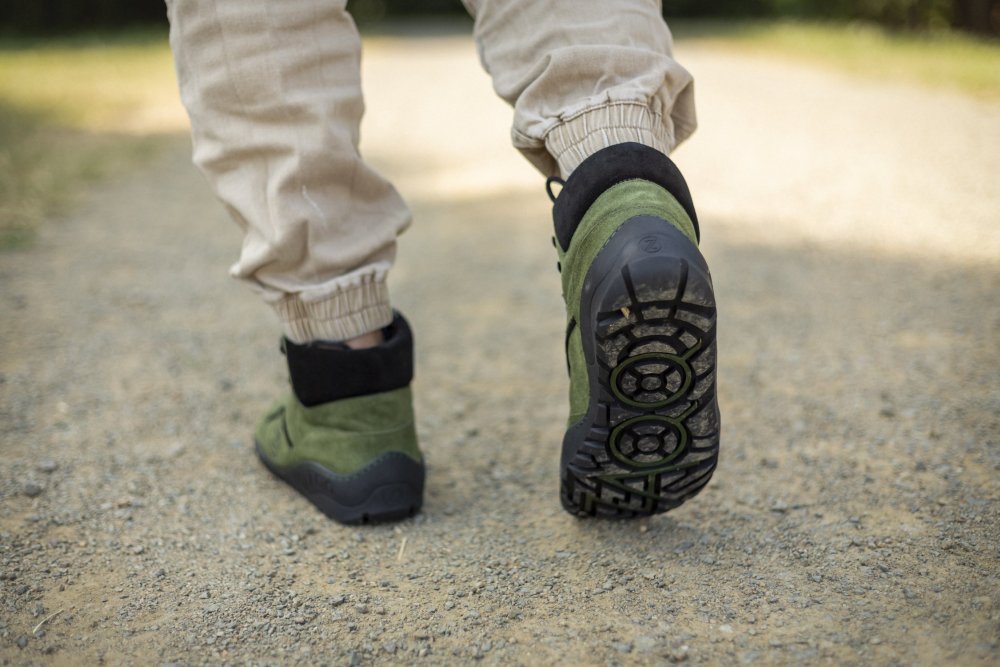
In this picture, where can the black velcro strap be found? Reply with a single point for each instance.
(610, 166)
(326, 371)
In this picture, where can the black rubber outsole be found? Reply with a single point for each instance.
(390, 488)
(650, 438)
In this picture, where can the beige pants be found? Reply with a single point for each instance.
(274, 95)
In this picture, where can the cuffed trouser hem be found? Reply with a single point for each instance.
(347, 313)
(583, 134)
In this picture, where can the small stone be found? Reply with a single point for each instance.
(337, 600)
(645, 644)
(622, 647)
(449, 605)
(138, 549)
(389, 647)
(361, 608)
(21, 641)
(32, 489)
(47, 466)
(679, 655)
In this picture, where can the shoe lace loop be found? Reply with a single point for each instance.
(548, 186)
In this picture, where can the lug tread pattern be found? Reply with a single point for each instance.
(652, 436)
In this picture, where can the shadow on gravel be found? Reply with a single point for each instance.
(838, 366)
(851, 519)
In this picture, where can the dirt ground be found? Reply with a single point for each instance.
(853, 229)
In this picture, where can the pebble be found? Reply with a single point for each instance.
(622, 647)
(679, 655)
(645, 644)
(22, 641)
(47, 466)
(32, 489)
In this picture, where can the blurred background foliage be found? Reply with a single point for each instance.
(87, 88)
(40, 17)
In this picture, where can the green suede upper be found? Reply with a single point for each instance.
(343, 435)
(617, 204)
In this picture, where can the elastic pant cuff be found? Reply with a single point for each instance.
(347, 313)
(580, 136)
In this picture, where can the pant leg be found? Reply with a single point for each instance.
(583, 75)
(274, 95)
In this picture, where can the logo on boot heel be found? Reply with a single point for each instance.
(650, 244)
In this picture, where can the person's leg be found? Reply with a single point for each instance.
(273, 91)
(274, 96)
(599, 100)
(584, 75)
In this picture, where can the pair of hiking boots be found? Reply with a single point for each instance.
(643, 429)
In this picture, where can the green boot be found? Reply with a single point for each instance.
(345, 438)
(643, 431)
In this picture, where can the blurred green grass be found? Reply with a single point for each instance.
(74, 111)
(943, 59)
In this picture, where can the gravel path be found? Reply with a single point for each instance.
(854, 233)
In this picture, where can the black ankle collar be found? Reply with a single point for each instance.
(608, 167)
(326, 371)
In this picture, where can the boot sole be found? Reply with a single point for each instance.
(390, 488)
(650, 437)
